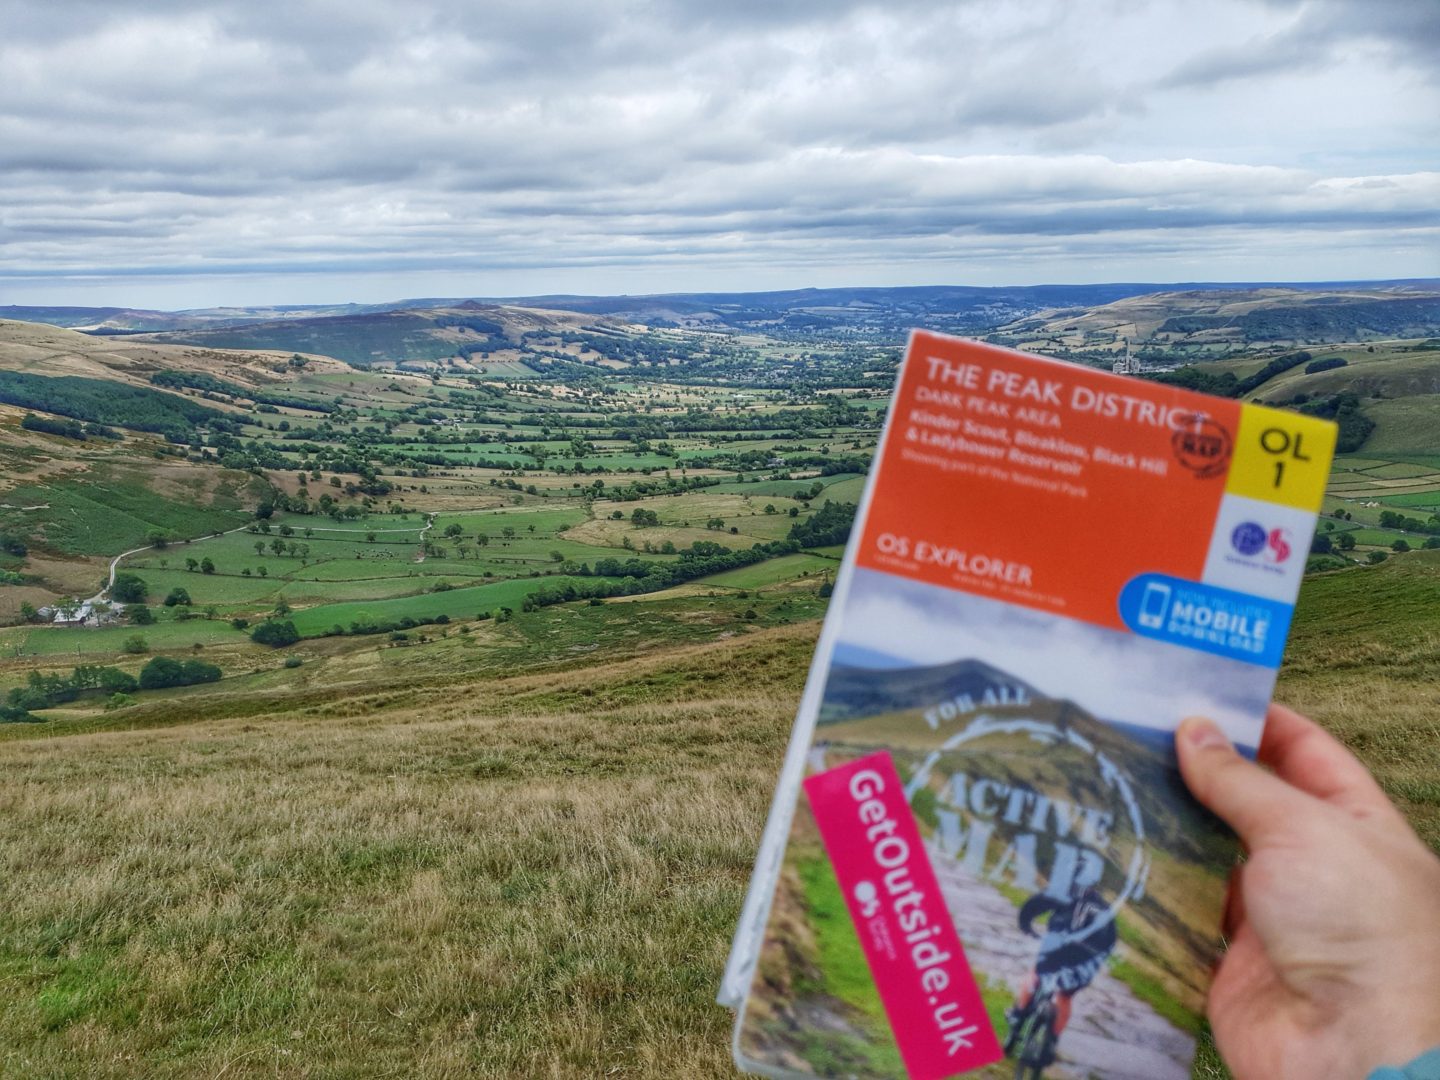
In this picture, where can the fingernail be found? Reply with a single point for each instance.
(1203, 734)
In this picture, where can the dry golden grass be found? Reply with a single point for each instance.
(387, 864)
(529, 877)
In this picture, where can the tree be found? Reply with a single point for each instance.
(277, 546)
(158, 538)
(114, 681)
(453, 530)
(1321, 544)
(207, 565)
(129, 589)
(262, 572)
(192, 565)
(1345, 542)
(28, 611)
(177, 597)
(369, 537)
(1400, 545)
(163, 672)
(259, 547)
(276, 634)
(286, 530)
(139, 614)
(135, 644)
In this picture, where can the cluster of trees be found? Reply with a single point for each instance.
(163, 672)
(1328, 364)
(827, 526)
(207, 383)
(1225, 383)
(1327, 544)
(70, 429)
(101, 401)
(43, 690)
(129, 588)
(700, 559)
(360, 628)
(1344, 409)
(275, 633)
(1391, 519)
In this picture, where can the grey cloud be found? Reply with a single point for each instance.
(327, 137)
(1320, 32)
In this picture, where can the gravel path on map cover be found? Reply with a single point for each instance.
(1112, 1034)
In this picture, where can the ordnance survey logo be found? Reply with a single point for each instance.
(1250, 539)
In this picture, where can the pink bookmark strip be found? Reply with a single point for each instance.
(915, 955)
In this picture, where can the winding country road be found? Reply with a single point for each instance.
(115, 562)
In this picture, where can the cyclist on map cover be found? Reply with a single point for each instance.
(1069, 955)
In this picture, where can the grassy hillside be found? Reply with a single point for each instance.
(535, 876)
(390, 862)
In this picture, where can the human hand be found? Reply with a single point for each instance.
(1333, 966)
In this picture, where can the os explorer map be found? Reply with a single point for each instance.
(981, 859)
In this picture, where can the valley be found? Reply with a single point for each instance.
(508, 618)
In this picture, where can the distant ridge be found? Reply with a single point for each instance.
(957, 307)
(853, 691)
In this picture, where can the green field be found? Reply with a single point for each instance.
(114, 508)
(772, 572)
(462, 603)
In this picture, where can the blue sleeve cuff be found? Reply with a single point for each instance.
(1424, 1067)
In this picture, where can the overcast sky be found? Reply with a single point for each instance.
(173, 153)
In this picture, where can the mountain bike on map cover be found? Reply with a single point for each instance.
(1078, 937)
(1032, 1040)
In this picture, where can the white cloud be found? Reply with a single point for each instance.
(974, 141)
(1114, 675)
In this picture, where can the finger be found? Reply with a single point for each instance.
(1234, 917)
(1256, 804)
(1306, 755)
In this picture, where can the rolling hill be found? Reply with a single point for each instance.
(1219, 322)
(416, 335)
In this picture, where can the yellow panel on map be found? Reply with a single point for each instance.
(1281, 457)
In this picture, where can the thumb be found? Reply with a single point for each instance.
(1253, 802)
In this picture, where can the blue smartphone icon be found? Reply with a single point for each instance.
(1154, 604)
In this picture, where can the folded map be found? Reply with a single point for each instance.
(980, 845)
